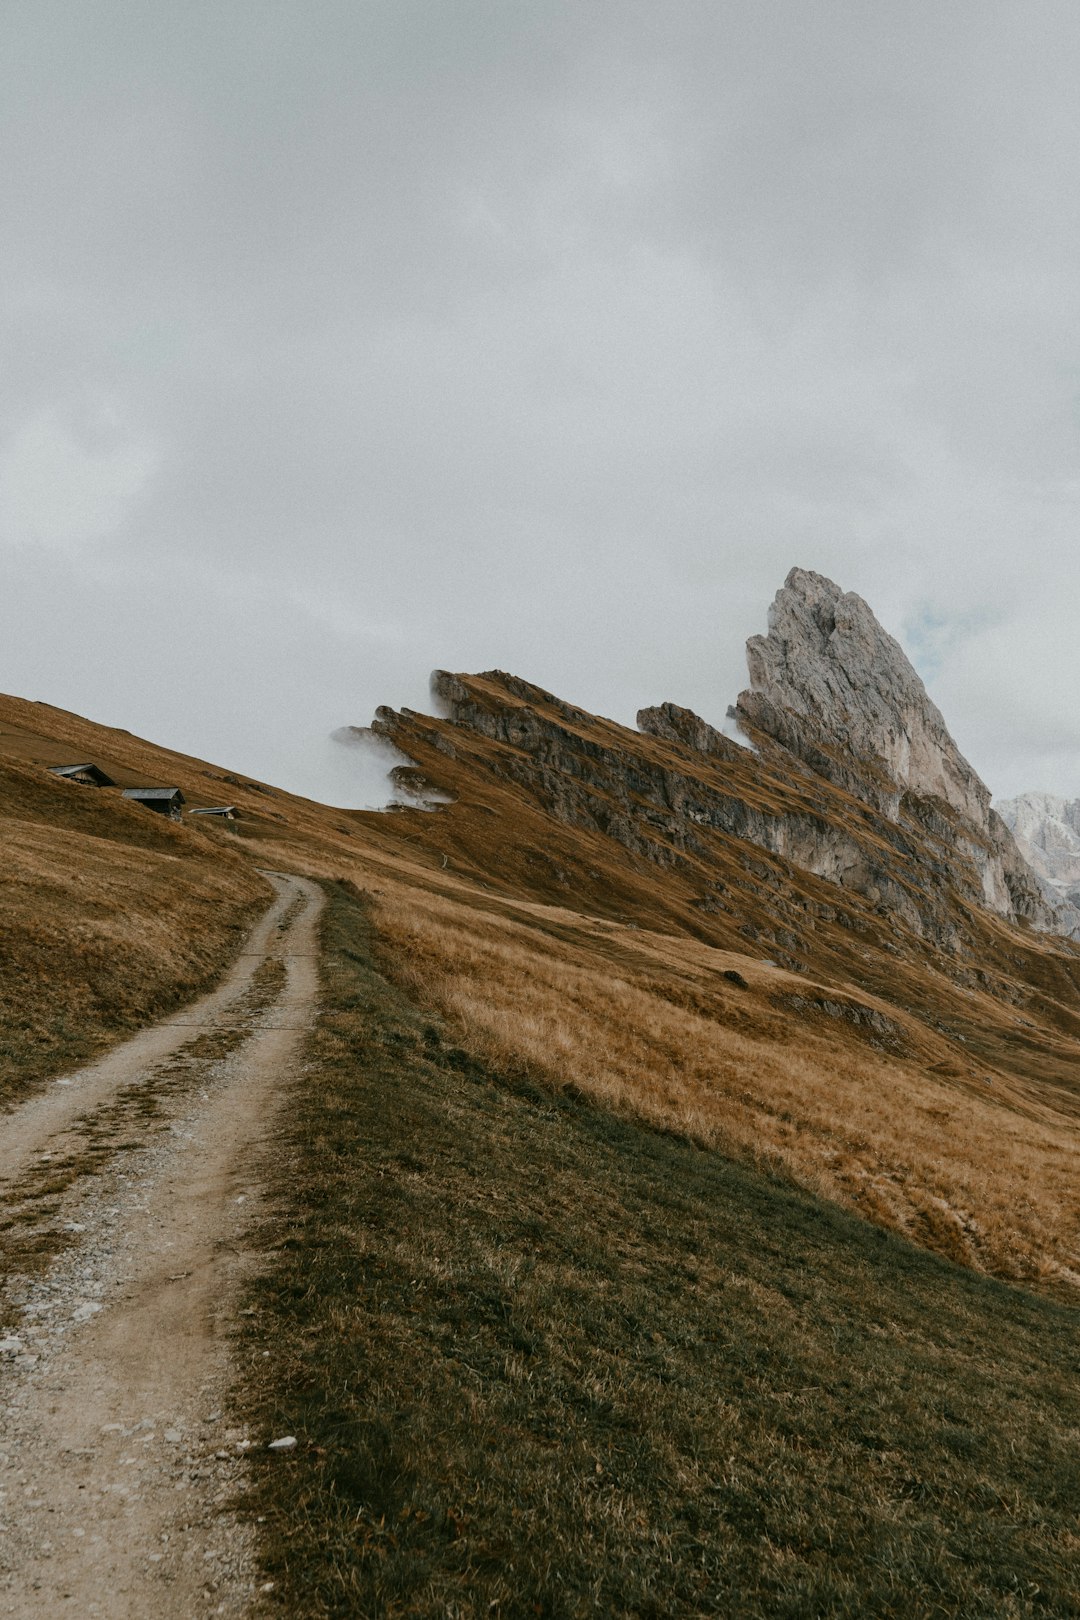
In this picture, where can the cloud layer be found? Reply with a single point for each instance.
(344, 341)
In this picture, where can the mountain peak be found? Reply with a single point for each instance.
(829, 685)
(828, 673)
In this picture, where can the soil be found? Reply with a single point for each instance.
(136, 1180)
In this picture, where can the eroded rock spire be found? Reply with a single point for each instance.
(831, 686)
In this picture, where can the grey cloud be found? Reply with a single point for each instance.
(546, 337)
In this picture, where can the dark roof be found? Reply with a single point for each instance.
(154, 793)
(86, 769)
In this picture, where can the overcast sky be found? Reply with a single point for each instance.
(346, 338)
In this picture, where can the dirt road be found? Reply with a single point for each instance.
(129, 1199)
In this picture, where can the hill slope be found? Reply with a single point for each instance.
(785, 953)
(545, 1361)
(567, 1295)
(903, 1038)
(111, 915)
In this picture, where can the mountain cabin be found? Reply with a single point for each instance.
(164, 801)
(89, 775)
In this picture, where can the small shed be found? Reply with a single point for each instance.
(224, 812)
(88, 774)
(164, 801)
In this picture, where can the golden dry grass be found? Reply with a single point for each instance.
(110, 917)
(548, 949)
(767, 1404)
(541, 1360)
(963, 1165)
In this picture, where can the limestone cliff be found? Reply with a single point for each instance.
(830, 686)
(853, 816)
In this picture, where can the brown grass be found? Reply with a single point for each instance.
(962, 1165)
(111, 918)
(951, 1112)
(542, 1361)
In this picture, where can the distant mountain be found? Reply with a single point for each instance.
(1047, 833)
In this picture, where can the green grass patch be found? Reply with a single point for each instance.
(543, 1362)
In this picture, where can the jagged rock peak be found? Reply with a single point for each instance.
(828, 673)
(832, 688)
(676, 724)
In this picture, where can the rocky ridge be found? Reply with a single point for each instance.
(852, 813)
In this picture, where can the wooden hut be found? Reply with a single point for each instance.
(89, 775)
(165, 801)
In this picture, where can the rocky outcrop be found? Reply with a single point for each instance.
(830, 686)
(853, 780)
(828, 677)
(677, 725)
(666, 804)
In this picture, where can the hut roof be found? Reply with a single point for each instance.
(155, 793)
(86, 769)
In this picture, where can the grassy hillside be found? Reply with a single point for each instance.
(544, 1361)
(934, 1093)
(568, 1294)
(845, 1093)
(111, 916)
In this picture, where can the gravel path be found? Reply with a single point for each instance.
(127, 1218)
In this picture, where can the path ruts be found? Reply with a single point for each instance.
(117, 1462)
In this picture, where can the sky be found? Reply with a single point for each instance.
(345, 339)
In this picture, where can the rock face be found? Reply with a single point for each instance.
(1047, 833)
(830, 686)
(828, 674)
(852, 804)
